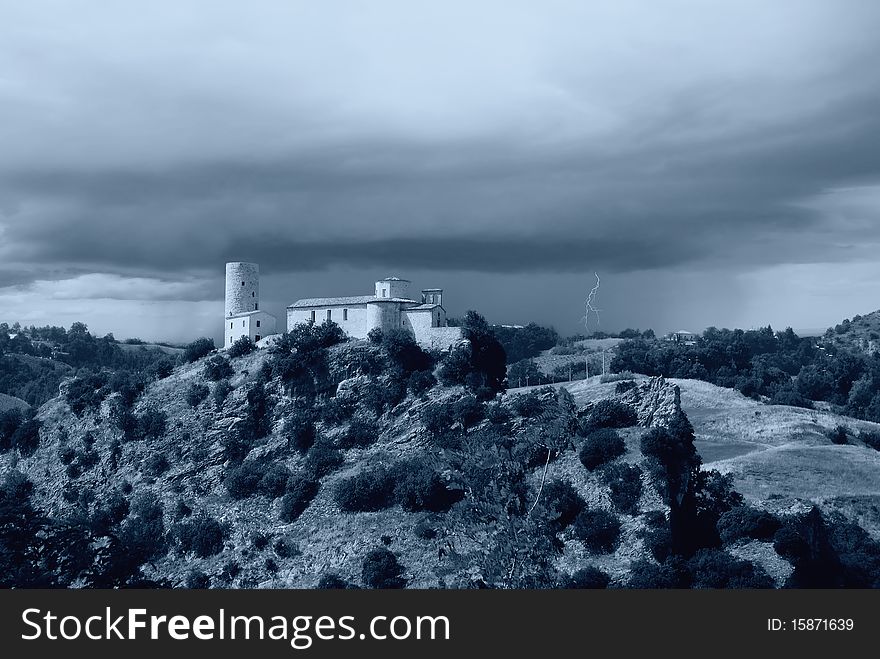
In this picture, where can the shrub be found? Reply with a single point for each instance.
(26, 437)
(588, 577)
(197, 580)
(241, 347)
(623, 386)
(322, 459)
(467, 411)
(300, 432)
(198, 349)
(419, 487)
(221, 391)
(746, 522)
(359, 434)
(393, 393)
(420, 382)
(600, 447)
(713, 568)
(259, 540)
(498, 414)
(300, 491)
(528, 405)
(790, 396)
(336, 411)
(405, 354)
(381, 569)
(608, 414)
(672, 573)
(235, 448)
(332, 581)
(375, 336)
(152, 423)
(274, 482)
(871, 439)
(563, 504)
(196, 393)
(201, 535)
(437, 419)
(242, 481)
(840, 435)
(286, 547)
(85, 392)
(157, 464)
(218, 368)
(625, 484)
(370, 490)
(161, 369)
(599, 530)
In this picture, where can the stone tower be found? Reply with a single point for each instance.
(242, 288)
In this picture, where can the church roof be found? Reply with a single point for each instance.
(423, 307)
(248, 313)
(349, 299)
(395, 279)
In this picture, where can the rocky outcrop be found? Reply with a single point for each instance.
(655, 400)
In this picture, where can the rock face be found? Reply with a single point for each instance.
(656, 401)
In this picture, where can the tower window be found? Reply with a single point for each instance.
(345, 314)
(329, 313)
(256, 304)
(384, 292)
(257, 337)
(242, 283)
(230, 325)
(253, 294)
(258, 323)
(242, 323)
(313, 315)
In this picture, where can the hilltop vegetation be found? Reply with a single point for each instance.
(329, 462)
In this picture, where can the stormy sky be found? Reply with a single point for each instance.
(717, 163)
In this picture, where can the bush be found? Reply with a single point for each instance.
(241, 347)
(370, 490)
(322, 459)
(221, 391)
(152, 423)
(286, 547)
(198, 349)
(259, 540)
(840, 435)
(420, 382)
(623, 386)
(419, 487)
(300, 491)
(498, 414)
(197, 580)
(381, 569)
(746, 522)
(196, 393)
(404, 353)
(563, 504)
(599, 530)
(790, 396)
(600, 447)
(467, 411)
(359, 434)
(871, 439)
(157, 464)
(713, 568)
(528, 405)
(242, 481)
(608, 414)
(300, 432)
(625, 484)
(336, 411)
(218, 368)
(588, 577)
(202, 535)
(375, 336)
(332, 581)
(437, 418)
(274, 482)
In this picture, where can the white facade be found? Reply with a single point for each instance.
(243, 316)
(388, 309)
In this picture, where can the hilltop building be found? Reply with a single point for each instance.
(243, 316)
(390, 307)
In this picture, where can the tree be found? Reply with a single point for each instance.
(197, 349)
(381, 569)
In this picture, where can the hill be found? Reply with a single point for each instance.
(860, 334)
(12, 403)
(299, 467)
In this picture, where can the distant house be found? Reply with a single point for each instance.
(682, 336)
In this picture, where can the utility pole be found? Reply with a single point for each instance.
(587, 366)
(603, 361)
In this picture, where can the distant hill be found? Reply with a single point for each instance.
(12, 403)
(858, 334)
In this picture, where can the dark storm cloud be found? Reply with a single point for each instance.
(523, 138)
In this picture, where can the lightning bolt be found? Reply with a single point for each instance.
(591, 298)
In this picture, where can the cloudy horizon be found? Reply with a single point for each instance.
(716, 163)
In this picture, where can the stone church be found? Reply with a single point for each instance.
(390, 307)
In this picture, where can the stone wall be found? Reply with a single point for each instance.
(655, 400)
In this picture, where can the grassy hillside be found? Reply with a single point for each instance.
(859, 334)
